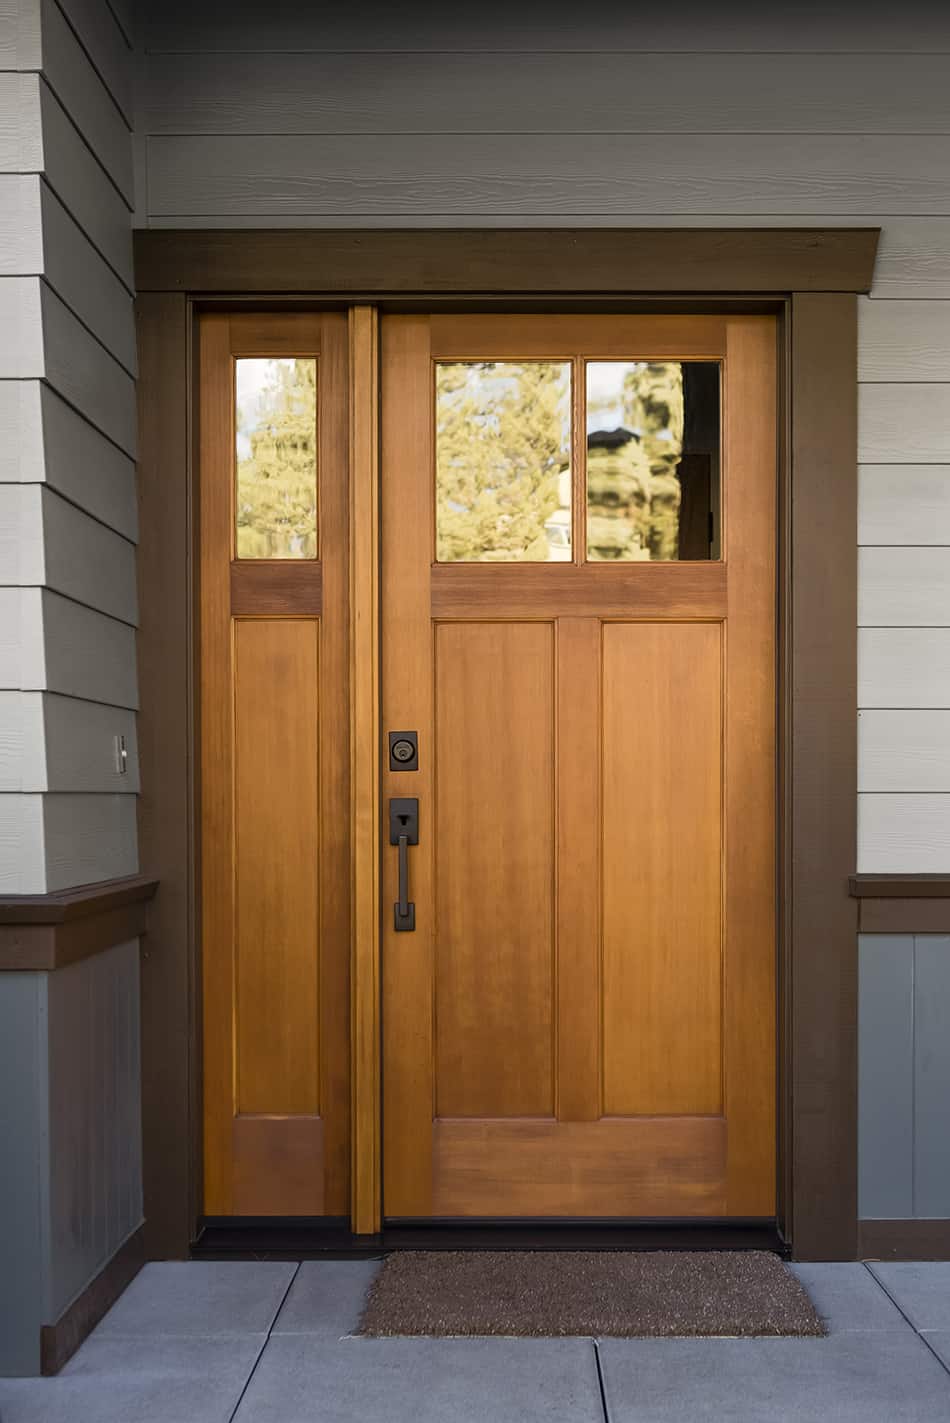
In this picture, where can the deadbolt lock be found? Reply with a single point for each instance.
(403, 751)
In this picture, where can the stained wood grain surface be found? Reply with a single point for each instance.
(594, 948)
(366, 1193)
(651, 1166)
(274, 809)
(662, 865)
(495, 867)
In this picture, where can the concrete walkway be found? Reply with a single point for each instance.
(266, 1342)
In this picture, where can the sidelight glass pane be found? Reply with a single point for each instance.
(503, 461)
(276, 447)
(653, 460)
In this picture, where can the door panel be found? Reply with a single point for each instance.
(274, 763)
(652, 1166)
(583, 1021)
(662, 868)
(276, 853)
(494, 872)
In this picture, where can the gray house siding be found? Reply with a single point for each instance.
(67, 444)
(71, 1190)
(95, 1172)
(904, 1129)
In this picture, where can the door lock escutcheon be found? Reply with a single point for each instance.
(403, 832)
(404, 751)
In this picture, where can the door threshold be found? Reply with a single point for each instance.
(275, 1238)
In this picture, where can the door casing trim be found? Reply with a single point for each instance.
(809, 278)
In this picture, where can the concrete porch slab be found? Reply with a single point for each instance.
(939, 1341)
(872, 1377)
(326, 1298)
(849, 1298)
(921, 1288)
(200, 1297)
(197, 1379)
(301, 1379)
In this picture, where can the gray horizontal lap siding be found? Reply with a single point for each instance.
(67, 434)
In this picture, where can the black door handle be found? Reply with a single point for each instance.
(403, 832)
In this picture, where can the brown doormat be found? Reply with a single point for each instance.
(546, 1293)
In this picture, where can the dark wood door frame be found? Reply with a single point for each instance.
(811, 278)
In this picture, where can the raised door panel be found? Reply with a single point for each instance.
(276, 854)
(662, 869)
(494, 865)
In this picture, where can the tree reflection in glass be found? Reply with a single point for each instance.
(652, 460)
(276, 448)
(503, 461)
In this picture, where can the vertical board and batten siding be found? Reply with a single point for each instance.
(94, 1116)
(68, 514)
(904, 1158)
(71, 1187)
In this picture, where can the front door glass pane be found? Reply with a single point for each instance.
(503, 461)
(276, 455)
(653, 472)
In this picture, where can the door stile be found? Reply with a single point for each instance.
(750, 765)
(578, 944)
(407, 959)
(217, 735)
(366, 1165)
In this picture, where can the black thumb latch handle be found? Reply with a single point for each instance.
(404, 911)
(403, 832)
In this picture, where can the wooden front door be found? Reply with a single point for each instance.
(578, 621)
(274, 763)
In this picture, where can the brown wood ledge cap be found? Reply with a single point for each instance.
(900, 886)
(902, 904)
(398, 261)
(44, 932)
